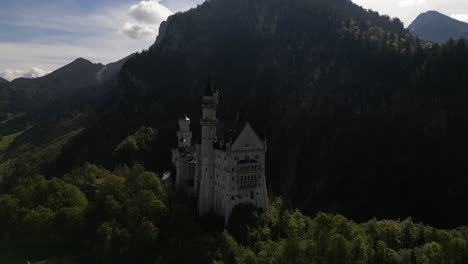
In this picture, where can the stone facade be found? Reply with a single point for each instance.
(225, 169)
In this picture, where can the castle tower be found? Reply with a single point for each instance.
(209, 133)
(184, 135)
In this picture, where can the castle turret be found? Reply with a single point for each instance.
(184, 135)
(208, 126)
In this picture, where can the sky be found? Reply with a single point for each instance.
(37, 37)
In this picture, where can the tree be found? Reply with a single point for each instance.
(338, 250)
(10, 211)
(86, 174)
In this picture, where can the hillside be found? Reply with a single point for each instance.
(333, 87)
(357, 112)
(78, 74)
(3, 80)
(10, 100)
(34, 132)
(436, 27)
(361, 118)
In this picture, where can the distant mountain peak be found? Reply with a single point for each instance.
(82, 61)
(3, 80)
(433, 12)
(78, 74)
(437, 27)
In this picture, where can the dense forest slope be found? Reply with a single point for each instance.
(362, 118)
(436, 27)
(32, 133)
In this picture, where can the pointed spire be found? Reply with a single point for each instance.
(209, 87)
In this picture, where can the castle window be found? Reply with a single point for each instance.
(236, 158)
(247, 157)
(233, 197)
(246, 145)
(257, 157)
(233, 169)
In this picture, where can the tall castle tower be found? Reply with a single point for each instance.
(208, 133)
(184, 135)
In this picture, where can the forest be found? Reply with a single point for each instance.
(130, 215)
(365, 123)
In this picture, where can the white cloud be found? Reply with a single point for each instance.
(34, 72)
(461, 17)
(145, 17)
(137, 31)
(409, 3)
(149, 12)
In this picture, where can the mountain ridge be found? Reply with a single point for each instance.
(294, 67)
(352, 105)
(437, 27)
(67, 79)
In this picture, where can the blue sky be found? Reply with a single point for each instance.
(37, 37)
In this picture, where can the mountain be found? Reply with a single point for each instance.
(10, 100)
(436, 27)
(39, 116)
(3, 80)
(70, 78)
(326, 81)
(361, 118)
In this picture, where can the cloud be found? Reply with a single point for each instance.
(34, 72)
(145, 17)
(149, 12)
(409, 3)
(461, 17)
(137, 31)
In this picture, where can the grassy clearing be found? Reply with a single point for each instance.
(10, 116)
(5, 141)
(45, 153)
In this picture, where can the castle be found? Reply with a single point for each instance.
(226, 169)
